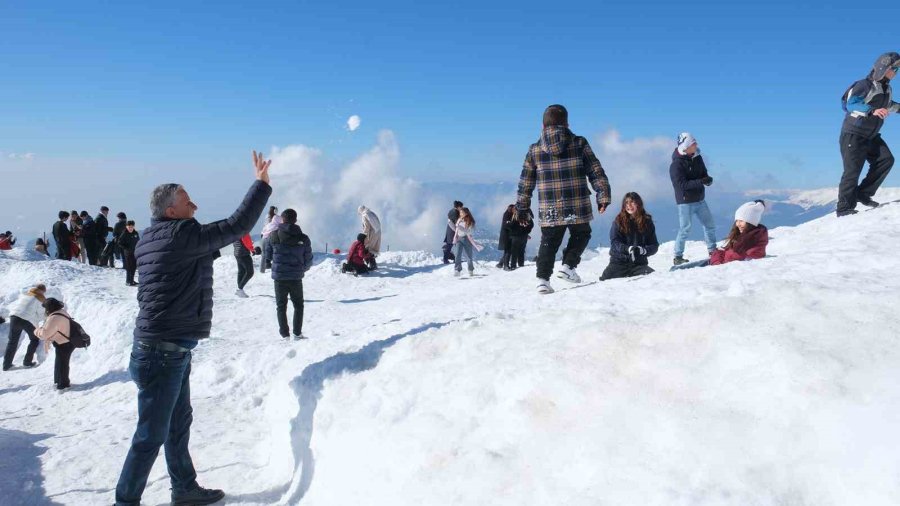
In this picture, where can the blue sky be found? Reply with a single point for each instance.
(129, 93)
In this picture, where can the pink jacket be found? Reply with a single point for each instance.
(748, 246)
(55, 329)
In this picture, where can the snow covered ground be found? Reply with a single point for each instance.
(771, 382)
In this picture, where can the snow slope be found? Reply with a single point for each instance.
(770, 382)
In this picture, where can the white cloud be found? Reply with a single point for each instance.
(20, 156)
(640, 165)
(353, 122)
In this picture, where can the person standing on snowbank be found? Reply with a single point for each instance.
(557, 165)
(746, 241)
(291, 255)
(518, 228)
(689, 179)
(63, 237)
(452, 218)
(57, 329)
(868, 103)
(24, 315)
(503, 243)
(243, 253)
(464, 241)
(273, 220)
(175, 264)
(372, 228)
(128, 241)
(632, 238)
(102, 228)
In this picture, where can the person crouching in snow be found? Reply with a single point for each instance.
(290, 252)
(56, 330)
(26, 312)
(748, 237)
(356, 257)
(372, 229)
(464, 241)
(632, 239)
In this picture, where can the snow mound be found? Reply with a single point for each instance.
(771, 382)
(808, 199)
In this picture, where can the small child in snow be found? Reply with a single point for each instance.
(632, 239)
(464, 228)
(746, 241)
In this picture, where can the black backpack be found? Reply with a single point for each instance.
(77, 336)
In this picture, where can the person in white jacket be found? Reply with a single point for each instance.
(25, 314)
(372, 228)
(462, 238)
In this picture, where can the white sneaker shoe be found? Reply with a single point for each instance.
(567, 273)
(240, 293)
(544, 287)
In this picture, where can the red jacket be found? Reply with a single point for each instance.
(357, 253)
(748, 246)
(248, 243)
(4, 243)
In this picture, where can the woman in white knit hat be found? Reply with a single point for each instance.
(748, 237)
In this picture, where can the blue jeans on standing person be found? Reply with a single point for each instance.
(164, 418)
(464, 245)
(686, 212)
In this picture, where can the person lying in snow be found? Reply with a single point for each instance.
(632, 239)
(746, 241)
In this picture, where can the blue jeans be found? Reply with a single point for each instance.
(685, 214)
(464, 245)
(164, 418)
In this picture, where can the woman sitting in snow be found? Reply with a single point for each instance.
(746, 241)
(464, 228)
(632, 239)
(357, 257)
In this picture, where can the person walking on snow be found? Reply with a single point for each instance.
(689, 180)
(464, 241)
(243, 253)
(452, 218)
(372, 228)
(63, 237)
(128, 241)
(557, 166)
(101, 228)
(632, 238)
(868, 103)
(291, 255)
(175, 263)
(25, 314)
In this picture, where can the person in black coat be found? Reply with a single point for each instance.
(175, 263)
(63, 237)
(452, 218)
(503, 243)
(517, 229)
(290, 252)
(102, 228)
(128, 241)
(632, 239)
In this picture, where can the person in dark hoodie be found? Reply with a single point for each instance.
(88, 235)
(101, 229)
(518, 228)
(868, 103)
(243, 253)
(503, 243)
(175, 263)
(63, 237)
(689, 180)
(452, 218)
(290, 252)
(128, 241)
(557, 166)
(632, 238)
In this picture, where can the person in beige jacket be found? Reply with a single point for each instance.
(56, 330)
(372, 228)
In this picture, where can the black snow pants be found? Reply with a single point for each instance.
(16, 326)
(551, 239)
(617, 270)
(294, 289)
(245, 270)
(856, 151)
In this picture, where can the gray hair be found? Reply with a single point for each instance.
(162, 198)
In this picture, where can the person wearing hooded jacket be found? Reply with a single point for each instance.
(356, 256)
(290, 251)
(867, 103)
(689, 180)
(24, 315)
(557, 165)
(243, 253)
(372, 228)
(632, 238)
(56, 330)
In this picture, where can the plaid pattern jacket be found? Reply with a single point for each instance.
(558, 165)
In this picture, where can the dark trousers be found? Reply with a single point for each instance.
(517, 251)
(61, 364)
(164, 418)
(294, 289)
(551, 239)
(263, 263)
(90, 247)
(130, 265)
(64, 250)
(856, 151)
(245, 270)
(448, 252)
(101, 245)
(16, 326)
(619, 270)
(357, 268)
(107, 257)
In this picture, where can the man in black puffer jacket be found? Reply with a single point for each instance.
(291, 256)
(175, 265)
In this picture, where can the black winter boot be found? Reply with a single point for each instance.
(198, 497)
(679, 260)
(867, 201)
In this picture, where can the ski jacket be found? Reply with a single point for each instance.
(619, 242)
(750, 245)
(357, 254)
(89, 230)
(557, 166)
(6, 242)
(101, 226)
(686, 171)
(290, 252)
(118, 228)
(372, 228)
(243, 247)
(863, 97)
(128, 241)
(56, 328)
(28, 307)
(175, 265)
(516, 229)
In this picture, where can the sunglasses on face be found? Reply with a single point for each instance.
(896, 69)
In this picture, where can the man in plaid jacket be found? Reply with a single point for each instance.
(557, 165)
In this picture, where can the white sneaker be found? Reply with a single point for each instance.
(567, 273)
(240, 293)
(544, 287)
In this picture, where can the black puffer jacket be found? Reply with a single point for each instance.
(290, 252)
(619, 242)
(175, 265)
(128, 240)
(686, 172)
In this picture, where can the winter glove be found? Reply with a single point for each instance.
(706, 181)
(636, 251)
(257, 250)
